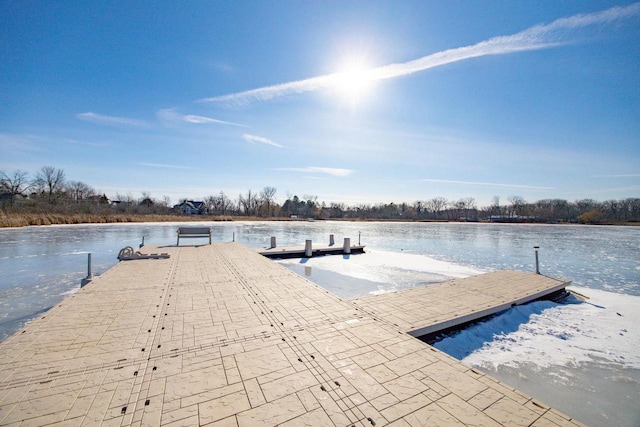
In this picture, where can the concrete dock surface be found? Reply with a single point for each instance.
(219, 335)
(427, 309)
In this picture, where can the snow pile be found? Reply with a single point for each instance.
(603, 329)
(395, 270)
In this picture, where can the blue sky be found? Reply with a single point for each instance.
(355, 102)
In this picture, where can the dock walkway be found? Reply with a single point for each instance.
(430, 309)
(219, 335)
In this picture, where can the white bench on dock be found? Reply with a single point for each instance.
(193, 232)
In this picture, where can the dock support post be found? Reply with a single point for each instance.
(273, 242)
(331, 241)
(89, 276)
(308, 251)
(89, 265)
(535, 248)
(358, 238)
(234, 236)
(346, 248)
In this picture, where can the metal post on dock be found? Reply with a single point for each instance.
(346, 248)
(273, 242)
(308, 251)
(358, 238)
(89, 265)
(89, 276)
(535, 248)
(234, 236)
(331, 241)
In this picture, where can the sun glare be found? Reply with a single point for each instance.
(353, 83)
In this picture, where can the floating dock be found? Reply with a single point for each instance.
(219, 335)
(303, 252)
(430, 310)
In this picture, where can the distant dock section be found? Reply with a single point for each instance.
(309, 250)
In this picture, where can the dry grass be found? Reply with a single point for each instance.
(24, 220)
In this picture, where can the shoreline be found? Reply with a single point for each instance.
(43, 219)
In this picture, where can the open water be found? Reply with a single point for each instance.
(582, 356)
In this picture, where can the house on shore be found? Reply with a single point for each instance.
(191, 207)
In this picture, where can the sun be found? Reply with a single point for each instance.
(353, 82)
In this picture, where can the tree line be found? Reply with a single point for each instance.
(49, 191)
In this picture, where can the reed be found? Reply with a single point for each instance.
(27, 219)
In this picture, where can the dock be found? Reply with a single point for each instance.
(302, 251)
(219, 335)
(441, 307)
(309, 250)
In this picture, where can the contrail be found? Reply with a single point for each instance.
(261, 140)
(533, 38)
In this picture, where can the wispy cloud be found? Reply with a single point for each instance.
(487, 184)
(261, 140)
(322, 170)
(20, 142)
(541, 36)
(628, 175)
(87, 143)
(163, 166)
(170, 115)
(110, 120)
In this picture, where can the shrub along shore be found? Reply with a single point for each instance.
(8, 220)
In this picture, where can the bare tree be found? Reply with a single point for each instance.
(517, 205)
(249, 203)
(458, 208)
(14, 185)
(495, 208)
(634, 208)
(50, 180)
(469, 205)
(418, 207)
(226, 204)
(437, 205)
(219, 204)
(336, 210)
(267, 196)
(79, 191)
(586, 205)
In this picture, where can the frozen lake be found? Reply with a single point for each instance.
(581, 357)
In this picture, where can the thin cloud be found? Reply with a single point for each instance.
(629, 175)
(87, 143)
(541, 36)
(101, 119)
(261, 140)
(171, 116)
(322, 170)
(487, 184)
(633, 190)
(20, 142)
(163, 166)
